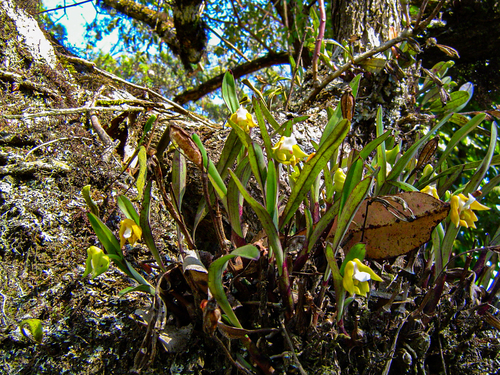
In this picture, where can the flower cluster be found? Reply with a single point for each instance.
(356, 277)
(461, 210)
(129, 231)
(286, 151)
(243, 119)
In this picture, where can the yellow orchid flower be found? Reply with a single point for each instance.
(286, 151)
(356, 277)
(129, 231)
(244, 119)
(461, 210)
(97, 262)
(431, 190)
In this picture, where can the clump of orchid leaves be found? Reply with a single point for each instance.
(320, 247)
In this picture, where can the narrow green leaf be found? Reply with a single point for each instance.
(401, 164)
(266, 221)
(355, 199)
(269, 117)
(459, 135)
(368, 149)
(312, 169)
(478, 177)
(403, 185)
(325, 220)
(229, 92)
(149, 124)
(272, 192)
(213, 174)
(35, 327)
(354, 84)
(234, 197)
(262, 126)
(495, 181)
(146, 229)
(143, 168)
(352, 179)
(90, 202)
(128, 209)
(331, 124)
(230, 151)
(179, 174)
(138, 288)
(105, 236)
(457, 99)
(215, 273)
(338, 281)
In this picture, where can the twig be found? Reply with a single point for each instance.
(383, 47)
(228, 355)
(229, 44)
(319, 39)
(294, 74)
(72, 111)
(393, 348)
(173, 104)
(290, 344)
(66, 6)
(442, 355)
(54, 141)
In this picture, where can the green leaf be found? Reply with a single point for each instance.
(262, 126)
(234, 197)
(312, 169)
(269, 117)
(459, 135)
(352, 179)
(325, 220)
(179, 173)
(105, 236)
(213, 174)
(333, 122)
(35, 327)
(128, 209)
(401, 164)
(354, 84)
(478, 177)
(457, 99)
(139, 288)
(272, 192)
(355, 199)
(266, 221)
(143, 168)
(338, 281)
(403, 185)
(215, 273)
(231, 149)
(368, 149)
(146, 229)
(90, 202)
(149, 124)
(229, 92)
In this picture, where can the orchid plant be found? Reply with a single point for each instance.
(330, 197)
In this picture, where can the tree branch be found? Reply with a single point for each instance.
(239, 71)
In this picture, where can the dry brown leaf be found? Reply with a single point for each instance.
(386, 232)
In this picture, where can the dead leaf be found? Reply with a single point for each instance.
(393, 230)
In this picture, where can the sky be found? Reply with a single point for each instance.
(75, 20)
